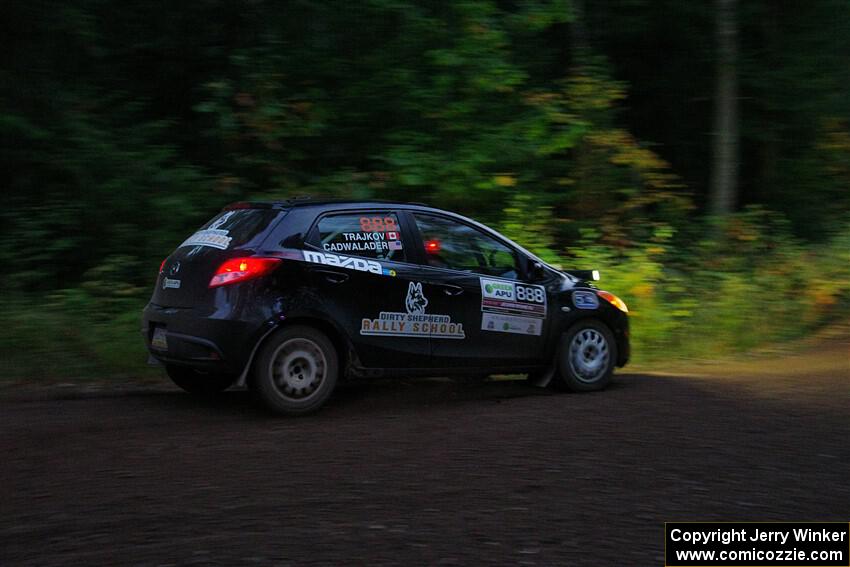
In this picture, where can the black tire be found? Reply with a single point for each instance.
(586, 357)
(296, 371)
(199, 383)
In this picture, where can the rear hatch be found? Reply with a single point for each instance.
(186, 273)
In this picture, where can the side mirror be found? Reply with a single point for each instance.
(536, 271)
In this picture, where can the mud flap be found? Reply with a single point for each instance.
(544, 379)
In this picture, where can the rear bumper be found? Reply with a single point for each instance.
(199, 340)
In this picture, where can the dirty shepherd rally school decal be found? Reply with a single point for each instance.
(415, 322)
(510, 307)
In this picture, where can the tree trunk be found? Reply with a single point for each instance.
(579, 33)
(724, 186)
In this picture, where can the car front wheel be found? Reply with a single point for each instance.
(586, 357)
(296, 370)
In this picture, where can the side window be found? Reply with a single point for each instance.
(368, 234)
(456, 246)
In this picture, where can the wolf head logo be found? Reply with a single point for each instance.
(415, 302)
(221, 220)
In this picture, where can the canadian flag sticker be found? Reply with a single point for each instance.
(392, 236)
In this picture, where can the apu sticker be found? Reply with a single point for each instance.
(415, 322)
(585, 300)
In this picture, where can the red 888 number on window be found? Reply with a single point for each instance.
(378, 224)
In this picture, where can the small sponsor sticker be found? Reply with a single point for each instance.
(585, 300)
(511, 324)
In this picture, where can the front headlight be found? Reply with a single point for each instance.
(613, 300)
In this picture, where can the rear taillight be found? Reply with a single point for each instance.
(242, 269)
(162, 266)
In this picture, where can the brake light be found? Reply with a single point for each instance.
(242, 269)
(162, 266)
(432, 246)
(613, 300)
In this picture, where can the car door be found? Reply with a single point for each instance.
(474, 280)
(358, 265)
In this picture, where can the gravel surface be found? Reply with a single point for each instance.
(421, 473)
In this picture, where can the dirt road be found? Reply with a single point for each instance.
(422, 473)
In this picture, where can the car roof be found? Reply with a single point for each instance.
(330, 204)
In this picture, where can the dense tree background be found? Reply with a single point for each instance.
(569, 124)
(124, 124)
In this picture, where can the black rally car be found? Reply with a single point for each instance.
(288, 296)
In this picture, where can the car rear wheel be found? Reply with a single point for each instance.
(197, 382)
(296, 371)
(586, 357)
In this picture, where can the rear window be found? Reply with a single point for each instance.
(230, 229)
(370, 235)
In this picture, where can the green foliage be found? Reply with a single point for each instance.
(71, 335)
(532, 226)
(753, 284)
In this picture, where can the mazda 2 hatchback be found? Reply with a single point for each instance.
(290, 297)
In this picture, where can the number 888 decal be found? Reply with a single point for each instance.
(530, 294)
(378, 224)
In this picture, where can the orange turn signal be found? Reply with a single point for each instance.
(613, 300)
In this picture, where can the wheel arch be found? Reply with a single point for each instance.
(578, 325)
(620, 338)
(337, 337)
(616, 322)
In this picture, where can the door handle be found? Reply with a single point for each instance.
(452, 290)
(336, 277)
(332, 276)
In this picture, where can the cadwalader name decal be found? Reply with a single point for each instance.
(415, 322)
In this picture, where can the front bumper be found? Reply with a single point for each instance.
(621, 335)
